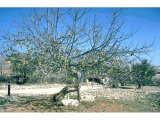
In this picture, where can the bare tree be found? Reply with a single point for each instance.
(59, 39)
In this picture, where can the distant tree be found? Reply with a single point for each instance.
(21, 64)
(142, 72)
(119, 72)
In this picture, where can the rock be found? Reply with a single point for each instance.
(10, 98)
(87, 98)
(70, 102)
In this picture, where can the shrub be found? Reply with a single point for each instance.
(3, 78)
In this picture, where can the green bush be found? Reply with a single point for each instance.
(3, 78)
(143, 72)
(69, 81)
(154, 99)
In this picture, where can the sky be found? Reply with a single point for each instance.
(146, 21)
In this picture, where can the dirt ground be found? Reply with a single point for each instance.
(124, 93)
(36, 98)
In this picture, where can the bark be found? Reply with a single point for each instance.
(69, 88)
(139, 85)
(122, 84)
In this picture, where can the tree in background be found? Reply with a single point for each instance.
(142, 72)
(21, 65)
(119, 72)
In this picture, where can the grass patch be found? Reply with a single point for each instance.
(104, 105)
(154, 99)
(43, 104)
(2, 101)
(137, 106)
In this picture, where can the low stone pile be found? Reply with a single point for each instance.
(121, 94)
(87, 98)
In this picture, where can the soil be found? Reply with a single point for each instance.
(36, 98)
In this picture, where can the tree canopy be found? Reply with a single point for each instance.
(53, 40)
(143, 72)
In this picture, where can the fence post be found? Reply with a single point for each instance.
(9, 89)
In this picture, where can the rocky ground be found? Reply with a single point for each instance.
(124, 93)
(130, 93)
(37, 98)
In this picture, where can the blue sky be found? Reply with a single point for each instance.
(145, 20)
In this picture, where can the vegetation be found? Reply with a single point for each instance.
(69, 45)
(120, 72)
(53, 41)
(30, 104)
(143, 72)
(3, 78)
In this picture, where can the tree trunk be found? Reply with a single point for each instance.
(122, 83)
(139, 84)
(69, 88)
